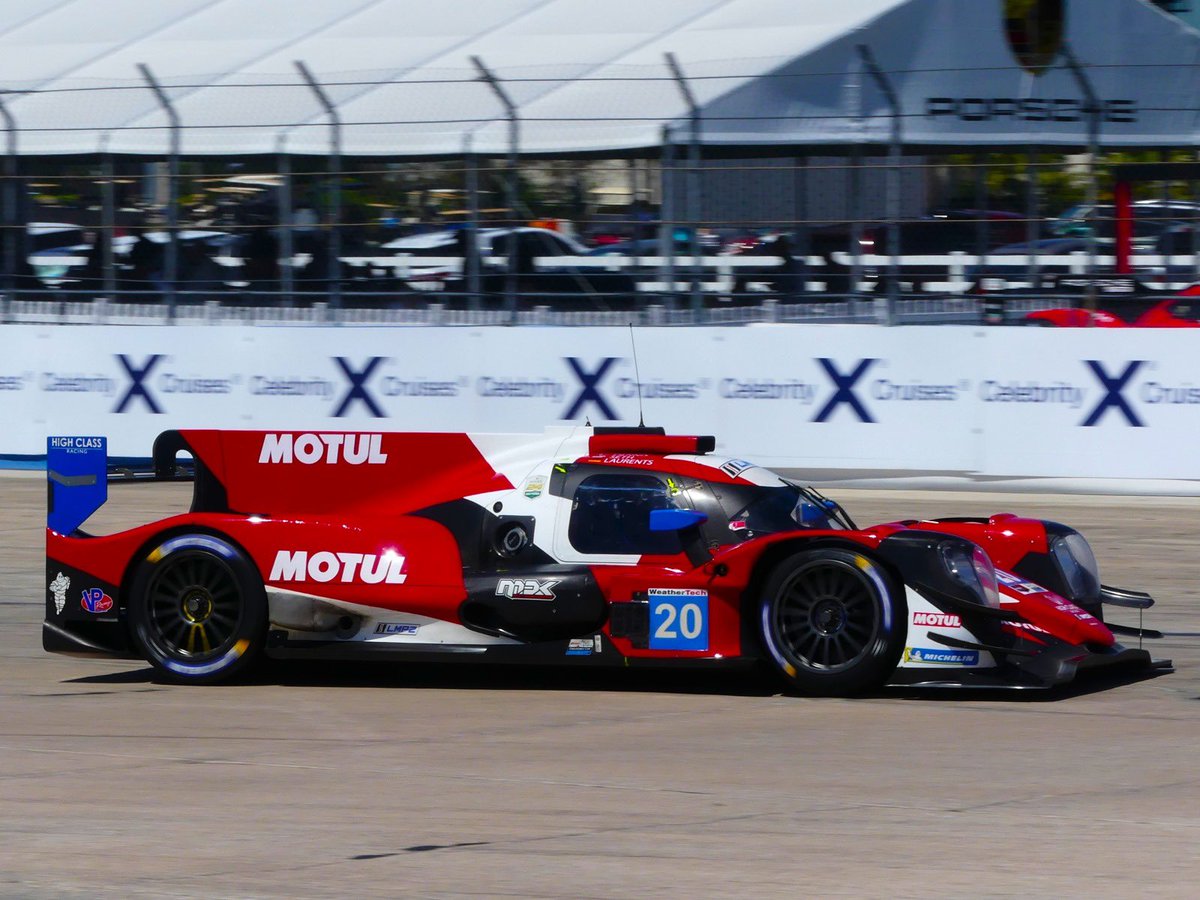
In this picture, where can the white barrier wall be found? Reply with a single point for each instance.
(991, 401)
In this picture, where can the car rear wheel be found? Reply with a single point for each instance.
(832, 622)
(198, 609)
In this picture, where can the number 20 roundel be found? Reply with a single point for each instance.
(678, 619)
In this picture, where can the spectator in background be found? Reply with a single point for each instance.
(201, 277)
(145, 266)
(261, 260)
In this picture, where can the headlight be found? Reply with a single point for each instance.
(970, 566)
(1077, 565)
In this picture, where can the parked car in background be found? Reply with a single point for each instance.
(963, 231)
(1074, 318)
(1150, 219)
(436, 261)
(1180, 311)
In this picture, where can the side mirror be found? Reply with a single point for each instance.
(675, 519)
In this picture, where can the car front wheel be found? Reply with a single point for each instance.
(832, 622)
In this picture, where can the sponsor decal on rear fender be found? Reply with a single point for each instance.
(325, 566)
(96, 601)
(59, 587)
(309, 449)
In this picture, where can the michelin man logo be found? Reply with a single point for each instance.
(59, 587)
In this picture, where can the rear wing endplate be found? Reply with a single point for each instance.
(77, 478)
(78, 473)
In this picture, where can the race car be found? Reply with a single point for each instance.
(578, 546)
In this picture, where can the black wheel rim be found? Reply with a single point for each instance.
(826, 616)
(194, 607)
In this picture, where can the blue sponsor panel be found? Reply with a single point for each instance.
(941, 656)
(678, 619)
(76, 467)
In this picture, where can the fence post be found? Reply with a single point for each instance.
(335, 188)
(283, 206)
(801, 246)
(514, 148)
(1093, 110)
(471, 245)
(1032, 226)
(10, 208)
(108, 222)
(895, 147)
(693, 180)
(171, 255)
(666, 218)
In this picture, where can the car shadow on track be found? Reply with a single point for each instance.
(320, 673)
(750, 682)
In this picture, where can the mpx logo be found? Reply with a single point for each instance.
(525, 589)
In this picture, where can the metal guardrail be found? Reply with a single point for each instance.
(834, 310)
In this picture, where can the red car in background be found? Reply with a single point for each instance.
(1180, 311)
(1074, 318)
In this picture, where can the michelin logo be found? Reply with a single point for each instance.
(354, 449)
(932, 656)
(59, 587)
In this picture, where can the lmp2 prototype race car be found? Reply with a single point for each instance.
(579, 546)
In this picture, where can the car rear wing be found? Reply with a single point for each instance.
(78, 473)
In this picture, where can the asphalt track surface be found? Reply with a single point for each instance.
(374, 781)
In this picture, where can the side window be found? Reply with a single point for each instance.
(611, 514)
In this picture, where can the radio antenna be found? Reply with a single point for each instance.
(638, 377)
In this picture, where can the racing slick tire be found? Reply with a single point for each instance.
(832, 622)
(197, 609)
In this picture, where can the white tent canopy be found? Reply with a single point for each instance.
(585, 77)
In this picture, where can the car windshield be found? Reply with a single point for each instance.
(768, 509)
